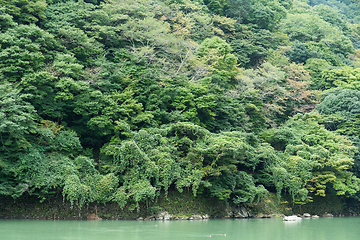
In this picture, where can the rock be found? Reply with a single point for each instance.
(328, 215)
(167, 217)
(205, 216)
(149, 218)
(314, 216)
(306, 215)
(292, 218)
(229, 213)
(197, 217)
(164, 216)
(140, 219)
(241, 213)
(259, 215)
(93, 216)
(190, 218)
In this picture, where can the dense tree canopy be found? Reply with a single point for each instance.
(128, 100)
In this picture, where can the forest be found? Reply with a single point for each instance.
(128, 100)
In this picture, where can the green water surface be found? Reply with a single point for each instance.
(248, 229)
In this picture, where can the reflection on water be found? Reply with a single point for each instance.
(249, 229)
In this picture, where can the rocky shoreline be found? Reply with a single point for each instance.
(238, 213)
(174, 207)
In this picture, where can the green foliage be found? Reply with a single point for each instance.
(25, 49)
(128, 100)
(315, 67)
(344, 78)
(328, 157)
(348, 8)
(339, 110)
(25, 11)
(16, 120)
(253, 45)
(267, 85)
(215, 54)
(67, 14)
(317, 158)
(299, 53)
(6, 20)
(186, 155)
(343, 102)
(216, 6)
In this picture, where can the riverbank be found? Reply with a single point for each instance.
(175, 206)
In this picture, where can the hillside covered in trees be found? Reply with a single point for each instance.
(128, 100)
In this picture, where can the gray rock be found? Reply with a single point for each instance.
(306, 215)
(314, 216)
(197, 217)
(190, 218)
(241, 213)
(229, 213)
(328, 215)
(292, 218)
(164, 216)
(168, 217)
(205, 216)
(140, 219)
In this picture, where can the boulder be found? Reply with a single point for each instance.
(93, 216)
(164, 216)
(259, 215)
(328, 215)
(229, 213)
(167, 217)
(205, 216)
(306, 215)
(292, 218)
(241, 213)
(314, 216)
(197, 217)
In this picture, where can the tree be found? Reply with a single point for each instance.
(187, 156)
(17, 120)
(343, 102)
(301, 98)
(316, 66)
(25, 11)
(217, 6)
(266, 84)
(6, 21)
(25, 49)
(344, 78)
(253, 45)
(319, 159)
(215, 54)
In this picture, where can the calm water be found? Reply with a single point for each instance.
(247, 229)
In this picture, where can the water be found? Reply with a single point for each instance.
(249, 229)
